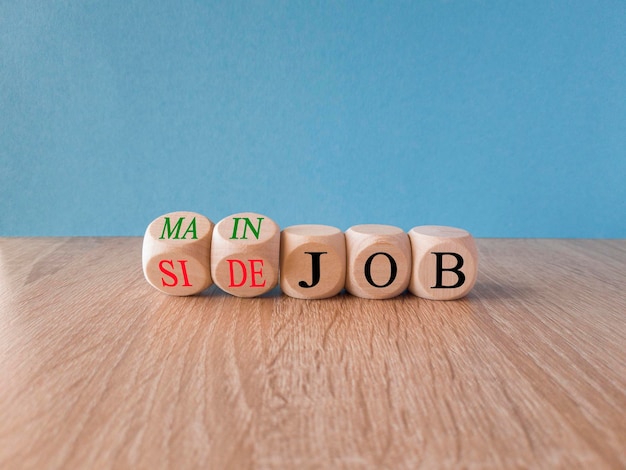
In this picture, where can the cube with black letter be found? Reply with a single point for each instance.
(445, 262)
(312, 261)
(379, 261)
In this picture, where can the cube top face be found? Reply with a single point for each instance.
(376, 229)
(312, 230)
(445, 262)
(246, 229)
(176, 253)
(245, 254)
(312, 261)
(440, 231)
(379, 261)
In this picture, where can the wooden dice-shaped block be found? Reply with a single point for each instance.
(176, 253)
(445, 262)
(379, 261)
(245, 254)
(312, 261)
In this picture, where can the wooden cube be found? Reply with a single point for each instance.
(445, 262)
(176, 253)
(245, 254)
(312, 261)
(379, 261)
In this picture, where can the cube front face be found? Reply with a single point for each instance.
(245, 254)
(379, 261)
(445, 262)
(176, 253)
(312, 261)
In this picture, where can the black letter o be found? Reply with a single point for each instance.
(368, 269)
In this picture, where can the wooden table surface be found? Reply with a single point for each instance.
(100, 370)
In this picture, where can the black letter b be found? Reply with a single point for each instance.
(456, 269)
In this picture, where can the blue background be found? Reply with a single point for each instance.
(507, 119)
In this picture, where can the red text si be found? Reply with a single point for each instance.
(172, 275)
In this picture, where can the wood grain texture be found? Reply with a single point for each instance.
(100, 370)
